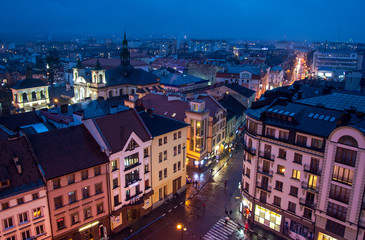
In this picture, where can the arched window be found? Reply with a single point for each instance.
(132, 91)
(34, 96)
(95, 80)
(76, 75)
(348, 140)
(121, 92)
(42, 95)
(100, 78)
(25, 97)
(82, 93)
(110, 94)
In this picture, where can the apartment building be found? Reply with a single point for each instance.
(23, 195)
(168, 156)
(206, 118)
(302, 175)
(76, 173)
(127, 142)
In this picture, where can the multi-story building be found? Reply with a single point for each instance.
(127, 142)
(251, 77)
(30, 93)
(76, 173)
(23, 195)
(168, 156)
(302, 175)
(206, 119)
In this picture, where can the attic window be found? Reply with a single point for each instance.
(132, 145)
(5, 183)
(290, 119)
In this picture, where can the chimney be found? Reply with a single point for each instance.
(150, 112)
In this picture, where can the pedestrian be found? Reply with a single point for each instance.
(226, 220)
(198, 185)
(230, 212)
(225, 183)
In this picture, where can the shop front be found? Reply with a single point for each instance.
(323, 236)
(268, 218)
(245, 207)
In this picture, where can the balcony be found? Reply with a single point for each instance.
(311, 169)
(135, 195)
(266, 172)
(309, 187)
(307, 203)
(249, 149)
(131, 166)
(264, 187)
(267, 156)
(131, 182)
(250, 131)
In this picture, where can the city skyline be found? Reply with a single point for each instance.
(246, 20)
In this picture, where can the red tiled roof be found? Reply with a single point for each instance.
(116, 128)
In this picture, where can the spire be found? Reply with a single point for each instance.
(78, 64)
(124, 55)
(97, 65)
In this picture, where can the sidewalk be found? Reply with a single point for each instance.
(250, 228)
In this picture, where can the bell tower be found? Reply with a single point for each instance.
(98, 74)
(125, 55)
(78, 70)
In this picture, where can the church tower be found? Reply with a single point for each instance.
(125, 55)
(78, 70)
(98, 74)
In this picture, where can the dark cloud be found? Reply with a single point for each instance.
(245, 19)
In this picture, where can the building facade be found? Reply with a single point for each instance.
(77, 192)
(168, 156)
(301, 175)
(23, 195)
(127, 142)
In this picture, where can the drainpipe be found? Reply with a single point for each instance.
(358, 221)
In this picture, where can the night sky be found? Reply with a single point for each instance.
(313, 20)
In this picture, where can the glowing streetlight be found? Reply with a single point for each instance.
(181, 228)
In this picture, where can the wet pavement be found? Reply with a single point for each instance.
(200, 208)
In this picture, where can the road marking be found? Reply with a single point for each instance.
(221, 230)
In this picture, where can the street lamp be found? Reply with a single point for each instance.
(181, 228)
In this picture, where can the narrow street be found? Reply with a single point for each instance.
(201, 212)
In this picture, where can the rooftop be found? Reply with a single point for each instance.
(159, 125)
(117, 128)
(66, 150)
(29, 178)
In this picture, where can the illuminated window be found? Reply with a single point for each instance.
(37, 212)
(296, 174)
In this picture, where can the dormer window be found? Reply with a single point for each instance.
(132, 145)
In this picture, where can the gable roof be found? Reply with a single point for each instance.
(30, 177)
(246, 92)
(159, 125)
(234, 107)
(67, 150)
(116, 128)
